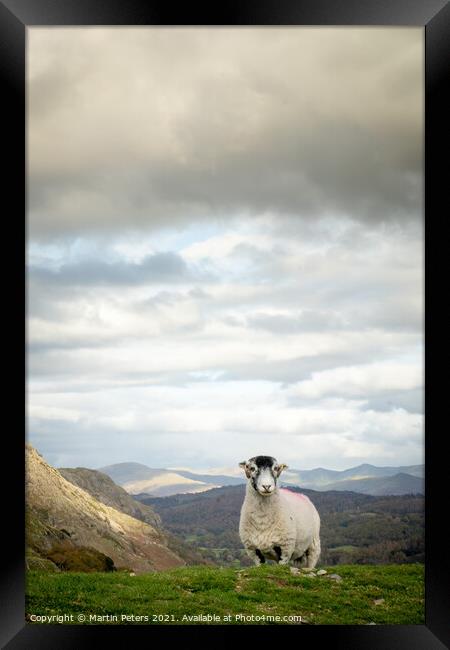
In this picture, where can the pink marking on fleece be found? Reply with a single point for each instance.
(295, 494)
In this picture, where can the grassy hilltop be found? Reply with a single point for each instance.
(390, 594)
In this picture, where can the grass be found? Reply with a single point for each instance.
(271, 590)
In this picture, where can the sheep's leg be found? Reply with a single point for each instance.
(300, 561)
(313, 554)
(286, 554)
(256, 555)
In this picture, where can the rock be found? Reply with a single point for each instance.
(36, 563)
(310, 575)
(294, 570)
(378, 601)
(336, 577)
(371, 623)
(132, 574)
(322, 572)
(306, 570)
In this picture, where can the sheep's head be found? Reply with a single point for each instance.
(262, 473)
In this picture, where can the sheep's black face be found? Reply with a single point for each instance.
(263, 472)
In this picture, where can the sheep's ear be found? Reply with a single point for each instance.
(280, 468)
(245, 467)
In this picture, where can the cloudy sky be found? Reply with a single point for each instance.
(225, 246)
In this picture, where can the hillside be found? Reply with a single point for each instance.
(76, 519)
(381, 595)
(103, 488)
(355, 527)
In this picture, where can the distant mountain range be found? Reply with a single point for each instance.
(365, 479)
(142, 481)
(384, 485)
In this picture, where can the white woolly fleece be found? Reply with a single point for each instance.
(285, 519)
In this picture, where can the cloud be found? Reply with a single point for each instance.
(292, 308)
(155, 268)
(225, 251)
(308, 319)
(378, 386)
(132, 128)
(217, 420)
(411, 400)
(360, 381)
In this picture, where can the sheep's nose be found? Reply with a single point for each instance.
(267, 488)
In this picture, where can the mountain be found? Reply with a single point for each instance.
(360, 479)
(398, 484)
(371, 470)
(215, 480)
(139, 480)
(136, 478)
(103, 488)
(125, 472)
(312, 478)
(355, 528)
(68, 525)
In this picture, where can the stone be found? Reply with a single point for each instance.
(336, 577)
(322, 572)
(294, 570)
(378, 601)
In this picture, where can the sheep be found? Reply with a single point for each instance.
(276, 523)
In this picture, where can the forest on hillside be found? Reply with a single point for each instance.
(355, 528)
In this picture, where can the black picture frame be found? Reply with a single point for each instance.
(434, 16)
